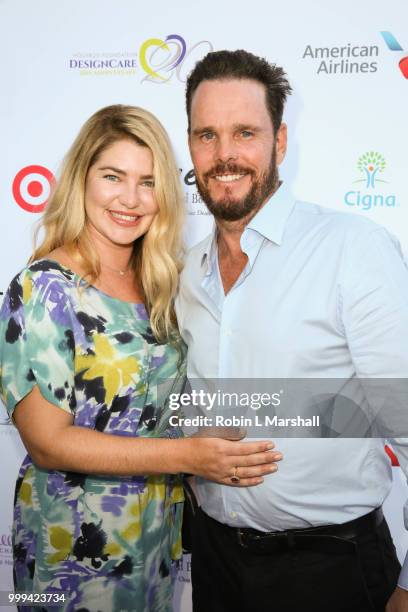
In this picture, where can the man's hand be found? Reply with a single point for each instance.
(398, 601)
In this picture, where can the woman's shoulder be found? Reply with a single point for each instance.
(40, 280)
(48, 268)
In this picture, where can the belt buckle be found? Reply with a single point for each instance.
(274, 541)
(245, 538)
(241, 535)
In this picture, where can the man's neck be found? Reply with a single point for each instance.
(231, 259)
(229, 238)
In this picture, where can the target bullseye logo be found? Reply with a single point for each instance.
(32, 188)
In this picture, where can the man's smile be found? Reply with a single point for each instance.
(228, 178)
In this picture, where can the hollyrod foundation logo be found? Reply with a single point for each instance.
(393, 45)
(162, 59)
(159, 59)
(371, 166)
(104, 64)
(32, 187)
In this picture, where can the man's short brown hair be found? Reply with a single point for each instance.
(241, 64)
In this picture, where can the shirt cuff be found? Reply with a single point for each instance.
(403, 577)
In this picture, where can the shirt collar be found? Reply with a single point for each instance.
(269, 222)
(209, 255)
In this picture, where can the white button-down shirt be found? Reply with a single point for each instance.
(324, 295)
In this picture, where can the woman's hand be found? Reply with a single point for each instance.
(54, 443)
(220, 460)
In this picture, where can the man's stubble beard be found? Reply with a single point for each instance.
(228, 209)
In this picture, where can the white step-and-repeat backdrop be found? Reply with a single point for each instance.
(348, 130)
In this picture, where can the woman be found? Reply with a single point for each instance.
(89, 328)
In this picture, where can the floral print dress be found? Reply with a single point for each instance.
(108, 542)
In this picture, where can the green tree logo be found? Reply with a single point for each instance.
(371, 164)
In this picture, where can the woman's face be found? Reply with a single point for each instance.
(120, 203)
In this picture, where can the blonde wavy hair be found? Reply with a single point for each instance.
(156, 258)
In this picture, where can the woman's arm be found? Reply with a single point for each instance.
(53, 442)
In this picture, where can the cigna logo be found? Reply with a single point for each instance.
(32, 187)
(371, 166)
(162, 59)
(393, 45)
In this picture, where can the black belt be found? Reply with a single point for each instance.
(327, 538)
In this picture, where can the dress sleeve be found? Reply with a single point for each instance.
(36, 342)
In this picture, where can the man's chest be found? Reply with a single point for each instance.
(281, 318)
(230, 270)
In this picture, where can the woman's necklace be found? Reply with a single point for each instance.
(120, 272)
(102, 283)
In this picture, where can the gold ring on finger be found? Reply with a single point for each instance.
(235, 478)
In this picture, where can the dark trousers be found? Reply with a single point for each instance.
(227, 577)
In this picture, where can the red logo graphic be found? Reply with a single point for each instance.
(32, 188)
(394, 460)
(404, 66)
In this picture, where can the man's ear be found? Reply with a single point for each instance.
(281, 140)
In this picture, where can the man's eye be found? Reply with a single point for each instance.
(246, 134)
(207, 136)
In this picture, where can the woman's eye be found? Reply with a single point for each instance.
(111, 177)
(149, 184)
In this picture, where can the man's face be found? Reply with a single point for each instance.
(233, 148)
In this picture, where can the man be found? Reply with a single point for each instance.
(286, 289)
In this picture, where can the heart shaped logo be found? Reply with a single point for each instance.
(174, 45)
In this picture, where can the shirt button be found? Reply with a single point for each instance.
(228, 332)
(233, 515)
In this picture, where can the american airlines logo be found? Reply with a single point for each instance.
(393, 45)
